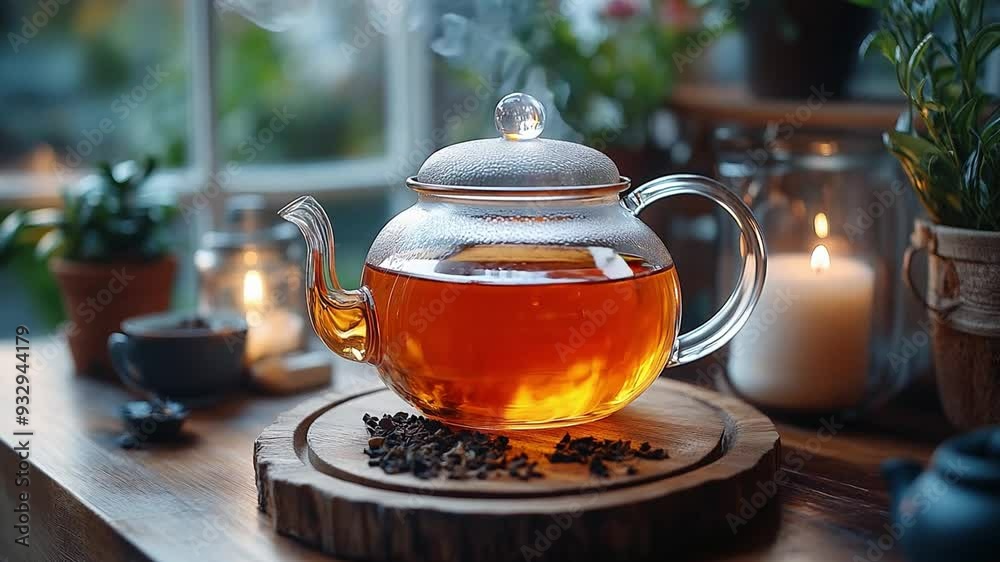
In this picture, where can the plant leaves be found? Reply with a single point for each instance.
(966, 116)
(973, 164)
(953, 156)
(980, 46)
(923, 8)
(991, 131)
(49, 245)
(881, 40)
(929, 170)
(904, 123)
(20, 221)
(105, 216)
(916, 57)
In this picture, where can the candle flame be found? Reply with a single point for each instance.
(250, 258)
(826, 148)
(820, 259)
(821, 225)
(253, 289)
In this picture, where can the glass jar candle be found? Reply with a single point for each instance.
(830, 331)
(253, 266)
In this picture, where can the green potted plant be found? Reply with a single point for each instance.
(948, 142)
(108, 248)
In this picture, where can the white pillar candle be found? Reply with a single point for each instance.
(806, 345)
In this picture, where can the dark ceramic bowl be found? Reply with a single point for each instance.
(951, 511)
(173, 356)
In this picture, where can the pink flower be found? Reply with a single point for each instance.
(621, 9)
(679, 14)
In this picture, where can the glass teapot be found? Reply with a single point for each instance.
(521, 290)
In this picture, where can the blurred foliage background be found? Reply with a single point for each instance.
(603, 68)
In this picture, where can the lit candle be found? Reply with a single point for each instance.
(837, 245)
(270, 331)
(806, 346)
(821, 225)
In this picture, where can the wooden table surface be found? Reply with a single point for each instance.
(196, 500)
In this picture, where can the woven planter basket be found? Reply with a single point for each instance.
(963, 302)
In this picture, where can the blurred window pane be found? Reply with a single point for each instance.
(94, 80)
(324, 81)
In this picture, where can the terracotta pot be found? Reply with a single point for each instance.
(963, 302)
(98, 296)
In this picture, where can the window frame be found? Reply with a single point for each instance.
(407, 103)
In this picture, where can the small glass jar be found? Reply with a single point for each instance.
(830, 331)
(253, 266)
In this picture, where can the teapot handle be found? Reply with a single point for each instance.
(721, 327)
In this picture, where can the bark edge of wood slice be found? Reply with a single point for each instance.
(314, 483)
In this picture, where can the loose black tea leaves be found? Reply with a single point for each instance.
(647, 452)
(428, 449)
(596, 453)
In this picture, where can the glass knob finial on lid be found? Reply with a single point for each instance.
(518, 157)
(519, 117)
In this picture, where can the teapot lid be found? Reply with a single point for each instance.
(518, 159)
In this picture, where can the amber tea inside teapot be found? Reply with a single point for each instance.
(521, 290)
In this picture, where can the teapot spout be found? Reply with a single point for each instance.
(343, 319)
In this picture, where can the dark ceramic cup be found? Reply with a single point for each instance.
(172, 357)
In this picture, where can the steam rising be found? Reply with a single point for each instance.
(484, 42)
(480, 40)
(273, 15)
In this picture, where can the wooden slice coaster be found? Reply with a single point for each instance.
(315, 483)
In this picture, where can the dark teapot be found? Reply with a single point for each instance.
(951, 511)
